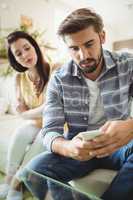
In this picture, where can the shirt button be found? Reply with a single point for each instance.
(85, 118)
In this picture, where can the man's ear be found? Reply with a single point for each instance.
(102, 37)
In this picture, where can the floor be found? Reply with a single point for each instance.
(27, 198)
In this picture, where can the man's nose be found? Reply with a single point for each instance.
(84, 54)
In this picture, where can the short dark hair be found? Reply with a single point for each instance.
(42, 66)
(80, 19)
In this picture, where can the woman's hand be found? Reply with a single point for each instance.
(115, 135)
(22, 107)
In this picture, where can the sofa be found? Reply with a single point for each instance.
(95, 183)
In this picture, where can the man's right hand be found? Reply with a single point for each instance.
(79, 149)
(76, 148)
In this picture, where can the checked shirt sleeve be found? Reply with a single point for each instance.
(53, 113)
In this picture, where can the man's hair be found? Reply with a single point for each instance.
(80, 19)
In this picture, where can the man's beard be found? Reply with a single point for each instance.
(90, 68)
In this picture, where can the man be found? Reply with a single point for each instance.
(91, 91)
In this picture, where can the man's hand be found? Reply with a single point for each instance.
(75, 148)
(115, 135)
(79, 149)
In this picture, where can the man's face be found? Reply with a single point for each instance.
(85, 48)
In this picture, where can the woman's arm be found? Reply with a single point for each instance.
(22, 109)
(20, 103)
(33, 113)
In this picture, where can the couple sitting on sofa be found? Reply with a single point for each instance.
(93, 91)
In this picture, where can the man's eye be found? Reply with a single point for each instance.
(89, 45)
(74, 48)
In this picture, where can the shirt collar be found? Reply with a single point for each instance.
(76, 70)
(109, 60)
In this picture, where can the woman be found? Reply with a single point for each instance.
(26, 58)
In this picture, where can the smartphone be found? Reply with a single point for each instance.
(89, 135)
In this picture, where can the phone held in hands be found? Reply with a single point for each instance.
(89, 135)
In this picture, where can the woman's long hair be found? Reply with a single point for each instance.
(43, 68)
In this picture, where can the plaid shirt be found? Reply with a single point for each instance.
(67, 96)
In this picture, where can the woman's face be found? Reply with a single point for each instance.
(24, 53)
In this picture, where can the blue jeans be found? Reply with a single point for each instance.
(65, 169)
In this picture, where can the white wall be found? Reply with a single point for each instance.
(47, 15)
(39, 10)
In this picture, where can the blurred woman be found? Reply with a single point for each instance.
(26, 58)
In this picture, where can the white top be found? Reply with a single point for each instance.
(96, 109)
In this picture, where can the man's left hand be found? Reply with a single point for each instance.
(115, 135)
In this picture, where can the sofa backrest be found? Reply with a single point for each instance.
(7, 93)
